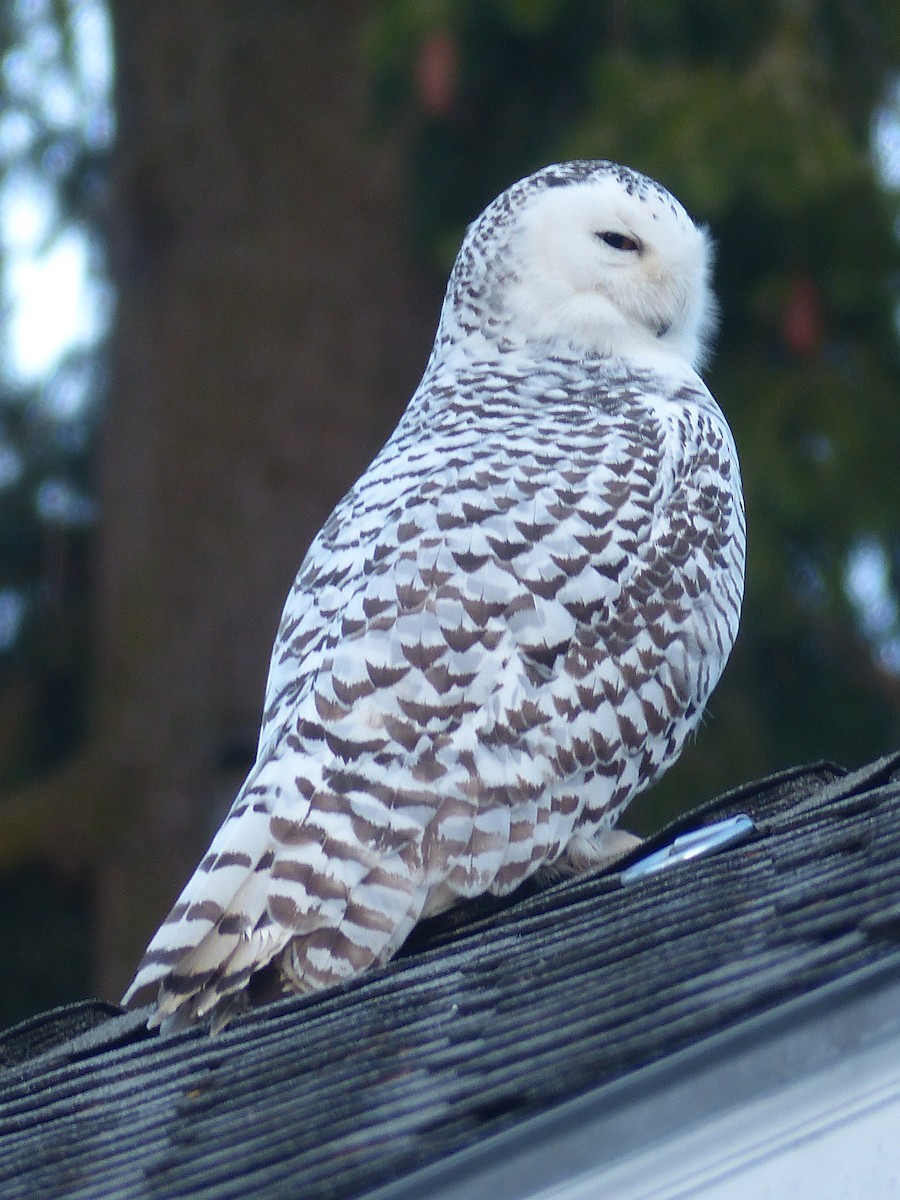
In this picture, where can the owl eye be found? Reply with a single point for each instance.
(619, 241)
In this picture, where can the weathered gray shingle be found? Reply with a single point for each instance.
(498, 1019)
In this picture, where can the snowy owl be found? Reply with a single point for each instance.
(511, 623)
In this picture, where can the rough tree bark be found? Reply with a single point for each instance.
(270, 328)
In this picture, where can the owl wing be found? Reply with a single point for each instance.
(474, 663)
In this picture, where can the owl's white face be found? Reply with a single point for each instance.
(611, 272)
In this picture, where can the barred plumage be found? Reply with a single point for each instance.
(510, 624)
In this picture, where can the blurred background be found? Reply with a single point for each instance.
(224, 234)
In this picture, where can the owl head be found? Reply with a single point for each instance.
(585, 257)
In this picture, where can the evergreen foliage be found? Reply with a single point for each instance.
(55, 131)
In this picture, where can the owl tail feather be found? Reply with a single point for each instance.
(218, 931)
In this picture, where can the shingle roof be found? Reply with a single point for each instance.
(492, 1018)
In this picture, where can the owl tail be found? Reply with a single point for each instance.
(218, 932)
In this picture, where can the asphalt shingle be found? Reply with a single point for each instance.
(498, 1012)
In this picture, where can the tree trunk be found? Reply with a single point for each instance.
(269, 333)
